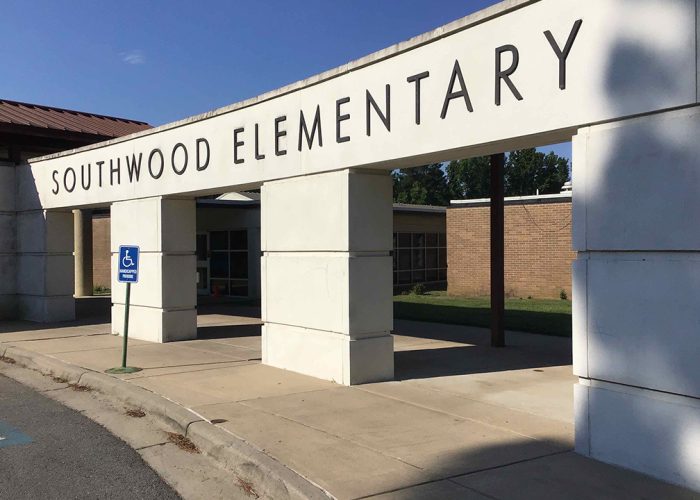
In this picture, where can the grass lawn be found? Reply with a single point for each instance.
(549, 317)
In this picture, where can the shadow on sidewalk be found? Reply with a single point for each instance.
(228, 331)
(471, 359)
(539, 469)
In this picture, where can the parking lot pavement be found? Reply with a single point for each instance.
(50, 451)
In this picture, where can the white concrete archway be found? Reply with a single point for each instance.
(522, 72)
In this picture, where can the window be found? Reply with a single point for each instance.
(228, 263)
(419, 258)
(202, 250)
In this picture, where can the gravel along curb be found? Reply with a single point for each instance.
(270, 478)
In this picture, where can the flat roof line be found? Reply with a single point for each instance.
(538, 197)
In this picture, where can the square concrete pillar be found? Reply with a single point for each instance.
(82, 252)
(163, 302)
(45, 265)
(326, 276)
(636, 322)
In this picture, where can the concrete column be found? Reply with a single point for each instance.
(82, 222)
(163, 302)
(326, 276)
(45, 277)
(636, 208)
(8, 246)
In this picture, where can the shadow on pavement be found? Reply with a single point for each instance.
(228, 331)
(466, 360)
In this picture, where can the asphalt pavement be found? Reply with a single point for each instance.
(49, 451)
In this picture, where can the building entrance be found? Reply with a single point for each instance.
(523, 72)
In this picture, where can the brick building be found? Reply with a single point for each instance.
(538, 253)
(101, 256)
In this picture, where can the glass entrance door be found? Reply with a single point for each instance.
(203, 273)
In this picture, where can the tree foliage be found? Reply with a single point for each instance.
(526, 172)
(469, 179)
(421, 186)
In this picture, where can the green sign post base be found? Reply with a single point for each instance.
(123, 368)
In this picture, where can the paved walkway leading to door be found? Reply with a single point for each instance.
(462, 420)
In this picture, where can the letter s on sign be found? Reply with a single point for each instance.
(55, 181)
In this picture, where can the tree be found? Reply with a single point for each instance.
(469, 179)
(527, 172)
(425, 185)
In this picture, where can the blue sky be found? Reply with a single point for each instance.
(160, 61)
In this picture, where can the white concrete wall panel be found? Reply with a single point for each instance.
(652, 433)
(8, 271)
(27, 194)
(582, 438)
(45, 232)
(136, 223)
(308, 290)
(369, 360)
(621, 64)
(579, 168)
(8, 234)
(579, 316)
(371, 218)
(45, 275)
(327, 355)
(8, 188)
(31, 271)
(8, 242)
(315, 353)
(179, 219)
(162, 325)
(8, 306)
(45, 265)
(329, 291)
(644, 320)
(164, 281)
(339, 211)
(369, 299)
(163, 302)
(306, 213)
(641, 184)
(42, 308)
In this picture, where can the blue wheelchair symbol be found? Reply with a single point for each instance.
(128, 264)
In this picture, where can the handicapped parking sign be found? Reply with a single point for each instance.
(128, 264)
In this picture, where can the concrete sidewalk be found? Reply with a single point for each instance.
(461, 421)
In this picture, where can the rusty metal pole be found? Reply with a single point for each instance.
(498, 338)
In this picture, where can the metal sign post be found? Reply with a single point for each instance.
(128, 273)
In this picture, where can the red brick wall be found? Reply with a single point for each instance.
(101, 257)
(538, 253)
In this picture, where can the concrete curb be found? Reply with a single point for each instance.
(270, 478)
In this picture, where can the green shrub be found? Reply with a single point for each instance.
(418, 289)
(562, 295)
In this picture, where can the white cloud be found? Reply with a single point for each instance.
(133, 57)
